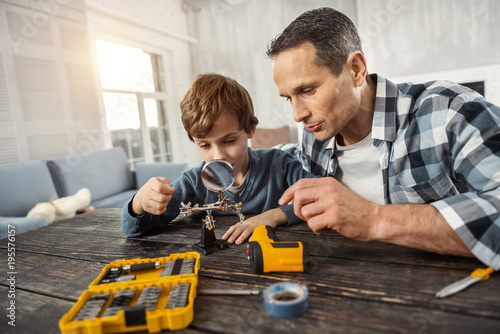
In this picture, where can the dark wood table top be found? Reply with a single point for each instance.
(354, 287)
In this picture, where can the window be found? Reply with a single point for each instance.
(134, 101)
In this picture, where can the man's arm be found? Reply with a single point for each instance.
(419, 226)
(328, 205)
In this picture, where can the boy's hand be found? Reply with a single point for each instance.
(153, 197)
(239, 232)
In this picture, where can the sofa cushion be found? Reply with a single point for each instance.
(105, 173)
(23, 185)
(21, 224)
(114, 201)
(146, 170)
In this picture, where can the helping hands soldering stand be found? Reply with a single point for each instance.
(217, 176)
(208, 241)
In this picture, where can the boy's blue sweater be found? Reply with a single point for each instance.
(270, 173)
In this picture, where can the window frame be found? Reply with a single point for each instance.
(164, 96)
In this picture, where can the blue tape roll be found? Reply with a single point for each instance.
(286, 299)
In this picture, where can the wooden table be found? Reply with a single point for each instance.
(354, 287)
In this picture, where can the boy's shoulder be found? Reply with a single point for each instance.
(191, 175)
(269, 154)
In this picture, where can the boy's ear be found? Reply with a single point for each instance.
(252, 131)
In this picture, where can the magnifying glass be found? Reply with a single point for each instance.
(217, 175)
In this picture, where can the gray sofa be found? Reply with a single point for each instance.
(105, 173)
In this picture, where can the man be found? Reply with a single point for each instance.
(414, 165)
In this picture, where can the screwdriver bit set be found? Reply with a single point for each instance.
(137, 295)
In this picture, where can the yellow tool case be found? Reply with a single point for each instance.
(137, 295)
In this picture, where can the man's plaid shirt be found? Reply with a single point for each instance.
(439, 144)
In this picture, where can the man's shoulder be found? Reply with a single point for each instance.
(437, 88)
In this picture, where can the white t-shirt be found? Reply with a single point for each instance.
(359, 169)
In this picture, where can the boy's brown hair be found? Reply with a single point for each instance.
(210, 97)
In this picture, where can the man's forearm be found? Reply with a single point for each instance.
(418, 226)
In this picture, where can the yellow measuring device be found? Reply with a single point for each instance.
(267, 254)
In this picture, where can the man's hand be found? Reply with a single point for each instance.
(153, 197)
(328, 205)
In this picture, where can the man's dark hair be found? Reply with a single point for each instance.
(332, 34)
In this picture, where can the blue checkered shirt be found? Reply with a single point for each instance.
(439, 144)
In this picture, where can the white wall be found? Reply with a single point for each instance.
(403, 37)
(418, 41)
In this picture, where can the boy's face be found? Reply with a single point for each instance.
(227, 142)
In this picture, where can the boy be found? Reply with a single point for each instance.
(218, 116)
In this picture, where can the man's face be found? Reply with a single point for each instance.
(227, 142)
(323, 102)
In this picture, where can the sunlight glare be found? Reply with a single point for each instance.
(124, 67)
(151, 110)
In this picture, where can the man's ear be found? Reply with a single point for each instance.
(358, 68)
(252, 131)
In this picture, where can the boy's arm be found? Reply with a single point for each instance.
(239, 232)
(291, 217)
(147, 210)
(133, 225)
(153, 197)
